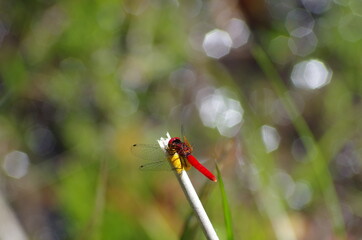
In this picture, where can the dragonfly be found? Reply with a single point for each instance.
(178, 152)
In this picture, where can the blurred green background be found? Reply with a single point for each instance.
(270, 90)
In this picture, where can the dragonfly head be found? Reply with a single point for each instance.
(174, 141)
(176, 145)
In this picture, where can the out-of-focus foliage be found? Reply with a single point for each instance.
(271, 90)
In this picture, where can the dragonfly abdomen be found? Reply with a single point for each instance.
(196, 164)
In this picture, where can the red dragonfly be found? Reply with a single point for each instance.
(177, 151)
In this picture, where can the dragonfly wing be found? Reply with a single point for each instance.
(148, 152)
(152, 154)
(188, 143)
(156, 166)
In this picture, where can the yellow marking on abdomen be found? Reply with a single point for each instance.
(176, 162)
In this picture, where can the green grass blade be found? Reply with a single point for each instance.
(226, 206)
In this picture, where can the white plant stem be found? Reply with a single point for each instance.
(196, 205)
(193, 198)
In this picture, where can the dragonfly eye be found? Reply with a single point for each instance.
(174, 140)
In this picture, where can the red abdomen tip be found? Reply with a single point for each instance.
(196, 164)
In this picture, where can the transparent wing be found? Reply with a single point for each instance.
(148, 152)
(184, 137)
(156, 166)
(153, 155)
